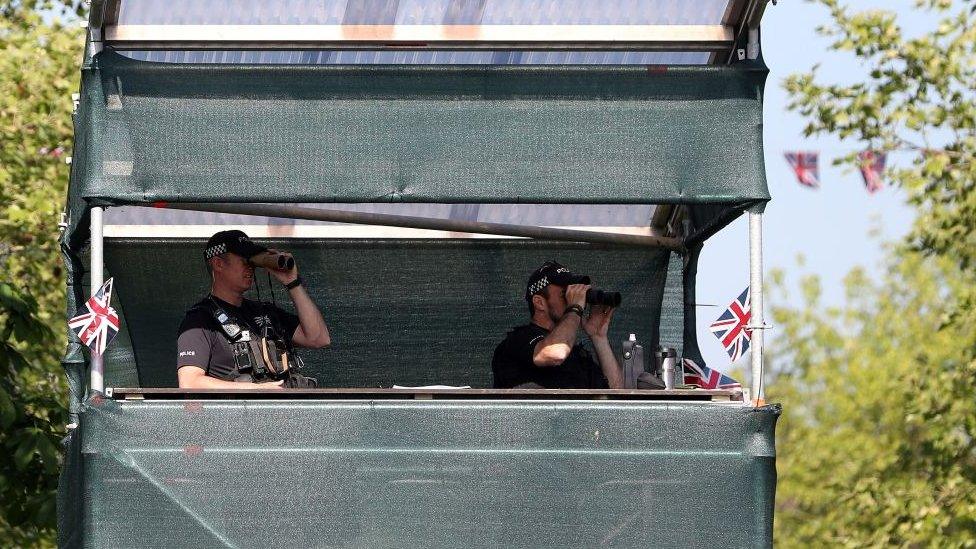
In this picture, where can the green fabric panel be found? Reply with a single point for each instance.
(577, 134)
(73, 361)
(690, 276)
(708, 219)
(671, 333)
(120, 354)
(414, 312)
(426, 474)
(71, 493)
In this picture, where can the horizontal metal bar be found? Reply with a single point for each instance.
(370, 394)
(329, 231)
(438, 37)
(455, 225)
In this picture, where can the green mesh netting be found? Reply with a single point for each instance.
(401, 312)
(364, 474)
(578, 134)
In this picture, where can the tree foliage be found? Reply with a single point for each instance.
(38, 73)
(917, 99)
(876, 442)
(877, 439)
(31, 421)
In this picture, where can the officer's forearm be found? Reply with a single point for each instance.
(608, 362)
(314, 330)
(553, 349)
(188, 380)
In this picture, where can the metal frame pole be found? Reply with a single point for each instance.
(756, 305)
(454, 225)
(97, 379)
(752, 49)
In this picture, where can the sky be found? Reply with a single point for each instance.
(834, 228)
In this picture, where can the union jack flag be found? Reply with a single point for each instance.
(730, 328)
(805, 166)
(99, 325)
(707, 378)
(872, 166)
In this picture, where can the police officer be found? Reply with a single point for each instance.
(210, 351)
(545, 353)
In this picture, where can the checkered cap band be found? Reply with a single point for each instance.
(214, 251)
(538, 285)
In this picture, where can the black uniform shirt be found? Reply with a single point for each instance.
(512, 364)
(202, 342)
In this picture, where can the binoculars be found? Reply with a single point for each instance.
(272, 260)
(600, 297)
(595, 296)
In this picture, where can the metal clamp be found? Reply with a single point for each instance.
(761, 327)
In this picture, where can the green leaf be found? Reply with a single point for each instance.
(49, 454)
(24, 452)
(7, 410)
(12, 301)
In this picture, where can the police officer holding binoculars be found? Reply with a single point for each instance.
(545, 353)
(230, 342)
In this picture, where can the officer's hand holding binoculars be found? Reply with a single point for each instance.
(576, 294)
(280, 264)
(602, 306)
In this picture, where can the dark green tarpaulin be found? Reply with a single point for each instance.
(414, 312)
(577, 134)
(412, 474)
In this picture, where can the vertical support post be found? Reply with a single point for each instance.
(97, 270)
(756, 306)
(752, 47)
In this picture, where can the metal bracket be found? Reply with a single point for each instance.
(741, 54)
(108, 392)
(63, 224)
(762, 327)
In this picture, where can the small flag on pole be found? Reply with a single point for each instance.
(97, 323)
(730, 328)
(805, 166)
(872, 166)
(707, 378)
